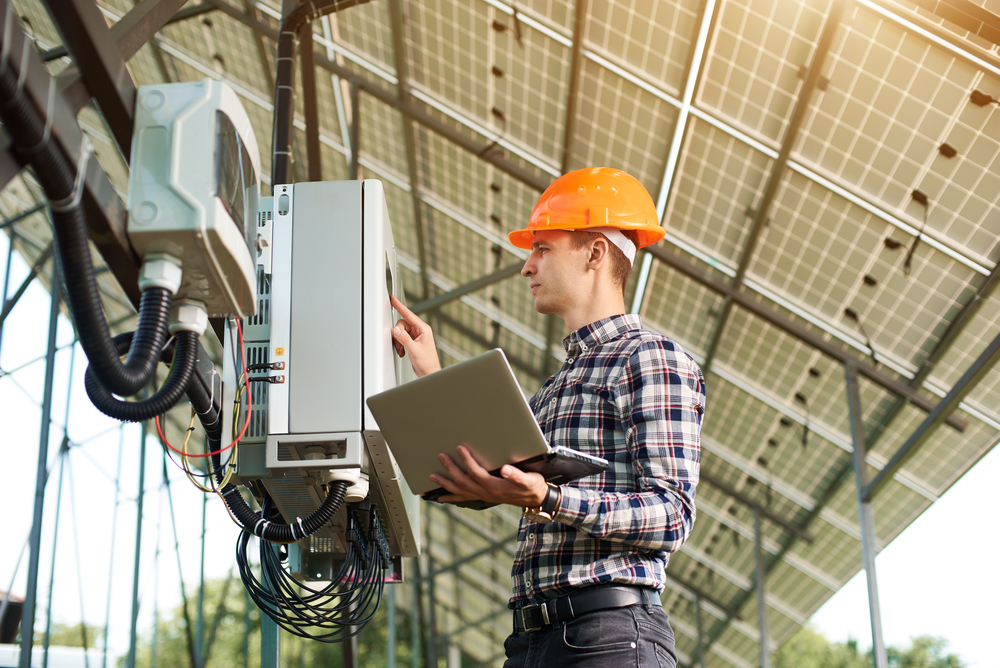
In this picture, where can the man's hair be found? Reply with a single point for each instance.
(621, 268)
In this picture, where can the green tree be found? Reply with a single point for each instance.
(808, 648)
(72, 635)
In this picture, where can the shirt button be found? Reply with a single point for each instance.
(553, 401)
(531, 536)
(583, 345)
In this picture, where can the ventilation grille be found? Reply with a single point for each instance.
(257, 430)
(263, 316)
(322, 545)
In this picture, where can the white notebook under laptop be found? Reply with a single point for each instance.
(477, 403)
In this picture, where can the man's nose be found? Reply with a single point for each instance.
(527, 270)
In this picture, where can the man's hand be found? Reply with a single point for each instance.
(414, 336)
(515, 487)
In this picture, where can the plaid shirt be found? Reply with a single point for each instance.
(636, 399)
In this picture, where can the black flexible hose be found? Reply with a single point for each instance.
(282, 533)
(185, 357)
(57, 177)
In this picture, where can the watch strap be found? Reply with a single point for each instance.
(552, 499)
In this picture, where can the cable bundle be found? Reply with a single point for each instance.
(336, 612)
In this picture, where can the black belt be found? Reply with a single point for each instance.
(562, 609)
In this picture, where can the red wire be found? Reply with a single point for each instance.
(246, 423)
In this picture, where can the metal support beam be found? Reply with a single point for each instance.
(41, 477)
(757, 508)
(132, 642)
(765, 652)
(142, 22)
(749, 302)
(763, 212)
(18, 217)
(983, 365)
(695, 62)
(514, 360)
(454, 565)
(55, 552)
(575, 59)
(314, 160)
(729, 611)
(865, 515)
(105, 213)
(701, 638)
(404, 99)
(102, 67)
(355, 171)
(405, 106)
(270, 643)
(471, 286)
(390, 649)
(9, 304)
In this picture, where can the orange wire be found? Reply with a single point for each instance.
(246, 423)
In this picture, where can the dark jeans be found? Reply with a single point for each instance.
(636, 635)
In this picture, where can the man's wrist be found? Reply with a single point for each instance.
(545, 512)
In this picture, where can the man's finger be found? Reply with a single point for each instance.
(454, 471)
(472, 466)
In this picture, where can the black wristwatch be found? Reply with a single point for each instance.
(546, 512)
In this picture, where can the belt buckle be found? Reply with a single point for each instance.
(530, 609)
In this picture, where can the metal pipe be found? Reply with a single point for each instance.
(18, 217)
(6, 284)
(9, 304)
(314, 159)
(569, 127)
(355, 131)
(749, 301)
(111, 557)
(41, 476)
(763, 213)
(865, 515)
(701, 638)
(55, 552)
(415, 616)
(747, 501)
(138, 548)
(188, 635)
(200, 634)
(270, 638)
(765, 650)
(969, 380)
(390, 612)
(467, 288)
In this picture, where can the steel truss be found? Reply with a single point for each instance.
(100, 55)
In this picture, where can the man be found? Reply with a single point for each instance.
(591, 553)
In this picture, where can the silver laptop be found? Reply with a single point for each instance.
(477, 403)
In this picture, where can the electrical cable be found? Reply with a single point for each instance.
(335, 612)
(63, 185)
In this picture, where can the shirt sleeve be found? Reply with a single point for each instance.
(660, 398)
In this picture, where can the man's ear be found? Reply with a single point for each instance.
(599, 249)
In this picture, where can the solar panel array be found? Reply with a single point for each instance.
(824, 157)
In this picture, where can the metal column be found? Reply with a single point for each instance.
(865, 515)
(765, 652)
(28, 612)
(390, 660)
(138, 547)
(270, 638)
(701, 638)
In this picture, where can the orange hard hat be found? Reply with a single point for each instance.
(593, 197)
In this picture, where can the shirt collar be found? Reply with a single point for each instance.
(602, 331)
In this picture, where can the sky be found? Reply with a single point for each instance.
(939, 577)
